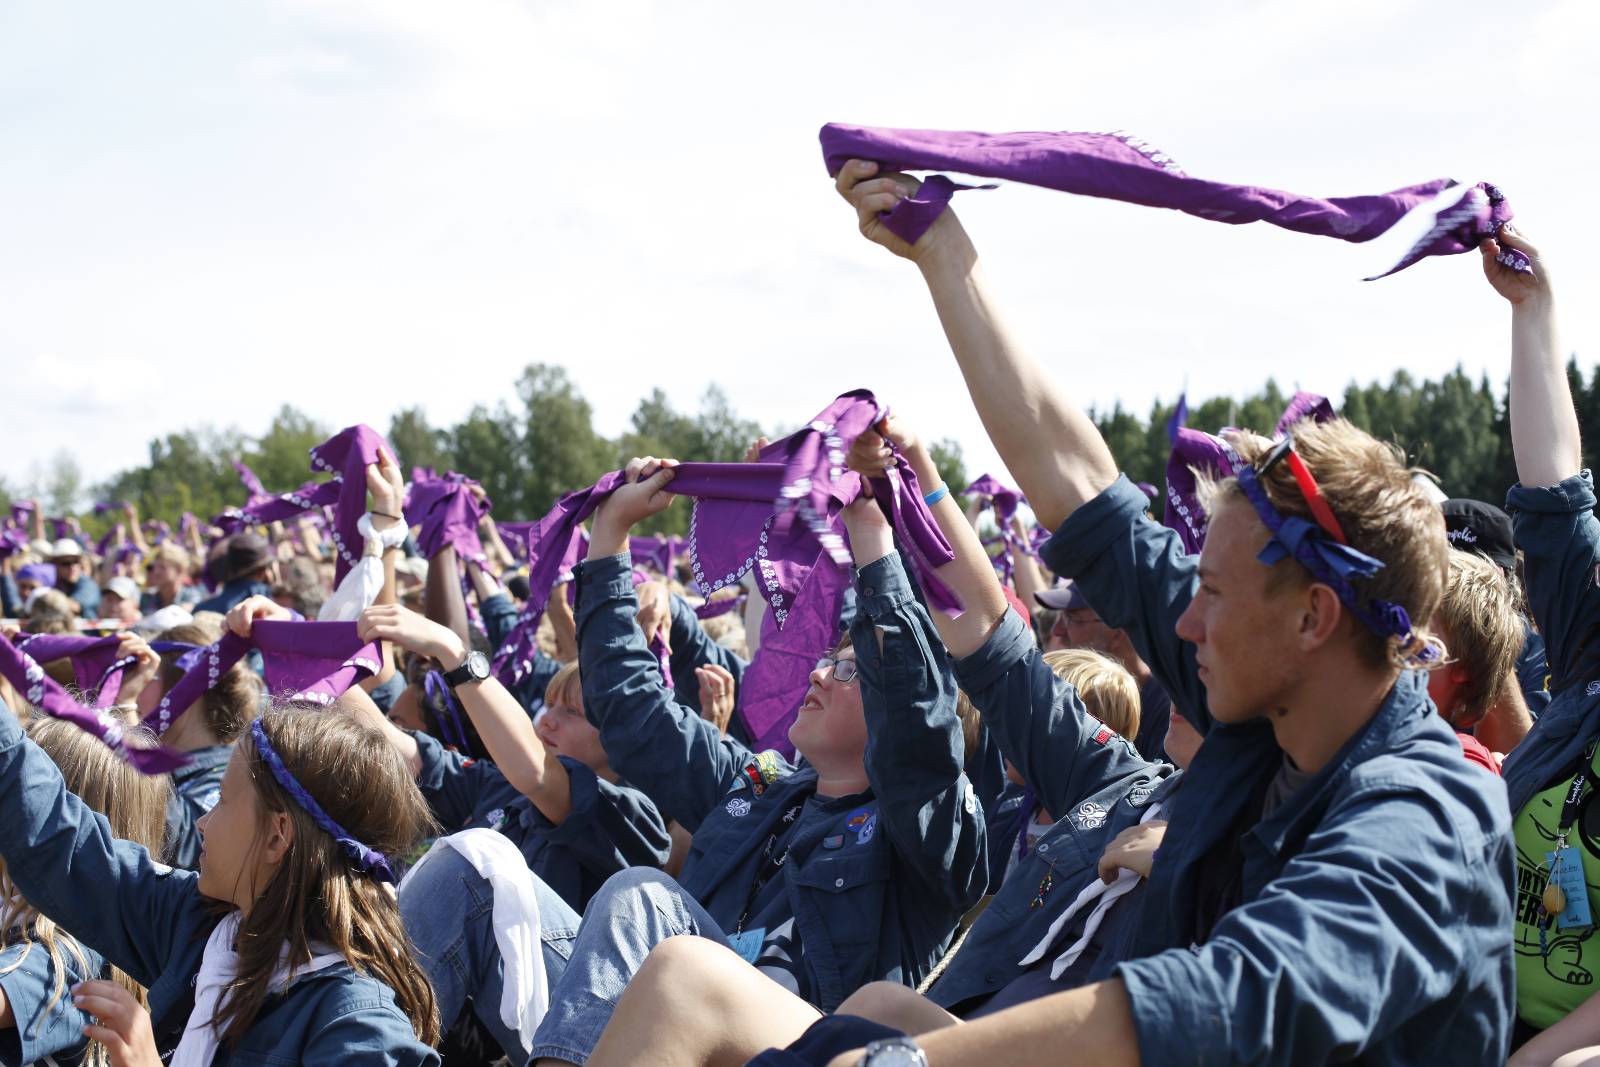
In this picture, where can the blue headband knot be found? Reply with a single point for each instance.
(370, 861)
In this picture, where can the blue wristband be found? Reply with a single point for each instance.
(937, 495)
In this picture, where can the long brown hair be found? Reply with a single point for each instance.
(316, 894)
(136, 807)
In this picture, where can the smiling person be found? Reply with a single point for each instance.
(1293, 915)
(851, 867)
(285, 947)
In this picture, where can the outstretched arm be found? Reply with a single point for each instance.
(1049, 443)
(1544, 424)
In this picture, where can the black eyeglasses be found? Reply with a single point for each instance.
(844, 670)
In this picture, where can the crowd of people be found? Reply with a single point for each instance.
(360, 773)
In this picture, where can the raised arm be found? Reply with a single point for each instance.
(970, 576)
(1544, 423)
(1049, 444)
(507, 732)
(675, 757)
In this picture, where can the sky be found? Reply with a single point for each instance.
(211, 210)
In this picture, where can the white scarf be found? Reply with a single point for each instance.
(219, 965)
(1104, 896)
(525, 989)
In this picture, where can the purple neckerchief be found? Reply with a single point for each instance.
(12, 541)
(96, 667)
(1195, 451)
(1118, 166)
(346, 456)
(21, 512)
(103, 506)
(659, 552)
(40, 690)
(313, 661)
(1005, 501)
(282, 506)
(710, 609)
(103, 546)
(515, 536)
(449, 715)
(158, 530)
(252, 484)
(775, 684)
(59, 529)
(447, 512)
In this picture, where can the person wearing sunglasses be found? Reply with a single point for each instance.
(1336, 883)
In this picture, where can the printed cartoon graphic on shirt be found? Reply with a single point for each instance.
(1562, 951)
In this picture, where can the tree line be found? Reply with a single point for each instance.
(528, 451)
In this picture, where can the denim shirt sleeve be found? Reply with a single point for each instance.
(1350, 940)
(46, 1022)
(610, 826)
(450, 782)
(368, 1034)
(1558, 534)
(1041, 725)
(1137, 576)
(676, 758)
(692, 647)
(914, 752)
(499, 618)
(63, 857)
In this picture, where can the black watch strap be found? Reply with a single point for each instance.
(475, 669)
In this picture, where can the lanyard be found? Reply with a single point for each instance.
(769, 866)
(1571, 807)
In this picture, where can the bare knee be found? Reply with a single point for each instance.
(893, 1004)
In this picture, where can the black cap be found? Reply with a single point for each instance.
(1474, 526)
(1064, 597)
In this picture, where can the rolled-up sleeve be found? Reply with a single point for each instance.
(1136, 575)
(1555, 528)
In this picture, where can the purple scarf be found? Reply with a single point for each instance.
(744, 519)
(1005, 500)
(1117, 166)
(447, 512)
(252, 484)
(42, 692)
(1195, 450)
(314, 661)
(96, 668)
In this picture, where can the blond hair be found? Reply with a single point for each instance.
(1106, 688)
(134, 804)
(1382, 511)
(565, 687)
(1479, 617)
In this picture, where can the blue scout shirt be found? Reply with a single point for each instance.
(611, 826)
(1084, 773)
(195, 789)
(1559, 536)
(692, 647)
(46, 1024)
(1533, 672)
(236, 591)
(1375, 908)
(152, 922)
(87, 594)
(875, 882)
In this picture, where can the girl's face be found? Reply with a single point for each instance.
(566, 732)
(237, 854)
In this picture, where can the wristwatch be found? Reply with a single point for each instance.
(475, 669)
(894, 1052)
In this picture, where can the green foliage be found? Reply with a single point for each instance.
(417, 443)
(947, 459)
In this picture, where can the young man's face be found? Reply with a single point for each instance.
(68, 571)
(830, 725)
(1244, 631)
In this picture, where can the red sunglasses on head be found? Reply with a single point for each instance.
(1284, 451)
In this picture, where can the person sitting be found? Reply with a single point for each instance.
(1324, 778)
(40, 960)
(248, 568)
(1476, 690)
(852, 867)
(72, 577)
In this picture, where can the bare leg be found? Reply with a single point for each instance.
(697, 1004)
(893, 1004)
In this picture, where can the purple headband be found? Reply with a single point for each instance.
(96, 667)
(1333, 564)
(40, 690)
(312, 661)
(1118, 166)
(367, 860)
